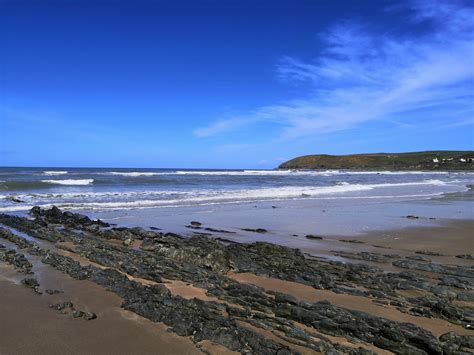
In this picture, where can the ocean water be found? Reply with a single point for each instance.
(122, 189)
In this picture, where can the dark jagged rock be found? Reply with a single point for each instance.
(197, 250)
(418, 258)
(315, 237)
(199, 319)
(458, 282)
(381, 332)
(61, 306)
(77, 314)
(224, 240)
(256, 230)
(218, 230)
(261, 258)
(465, 256)
(192, 227)
(453, 343)
(56, 216)
(203, 262)
(18, 260)
(201, 234)
(427, 252)
(36, 228)
(461, 271)
(89, 316)
(31, 282)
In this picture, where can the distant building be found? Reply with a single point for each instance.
(435, 160)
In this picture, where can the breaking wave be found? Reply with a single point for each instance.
(54, 172)
(78, 182)
(89, 200)
(134, 173)
(279, 173)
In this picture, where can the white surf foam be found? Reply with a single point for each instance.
(54, 172)
(100, 195)
(101, 206)
(221, 173)
(342, 186)
(250, 172)
(281, 173)
(134, 173)
(70, 182)
(147, 199)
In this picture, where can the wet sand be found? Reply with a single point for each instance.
(327, 217)
(449, 237)
(28, 326)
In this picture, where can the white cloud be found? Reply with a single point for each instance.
(363, 77)
(223, 125)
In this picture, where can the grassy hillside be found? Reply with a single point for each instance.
(430, 160)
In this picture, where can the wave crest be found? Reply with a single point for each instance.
(54, 172)
(78, 182)
(169, 198)
(134, 173)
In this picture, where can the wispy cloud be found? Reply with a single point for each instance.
(361, 76)
(223, 125)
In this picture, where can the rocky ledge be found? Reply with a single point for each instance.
(138, 265)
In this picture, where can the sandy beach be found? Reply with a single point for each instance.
(418, 279)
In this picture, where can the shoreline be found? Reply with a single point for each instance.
(116, 193)
(371, 256)
(288, 221)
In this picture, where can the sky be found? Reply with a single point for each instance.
(231, 84)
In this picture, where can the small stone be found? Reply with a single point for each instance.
(89, 316)
(77, 314)
(32, 283)
(61, 306)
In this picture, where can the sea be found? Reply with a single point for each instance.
(111, 189)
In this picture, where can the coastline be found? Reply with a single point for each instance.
(287, 222)
(375, 252)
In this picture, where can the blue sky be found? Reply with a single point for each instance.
(231, 84)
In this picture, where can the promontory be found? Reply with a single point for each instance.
(427, 160)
